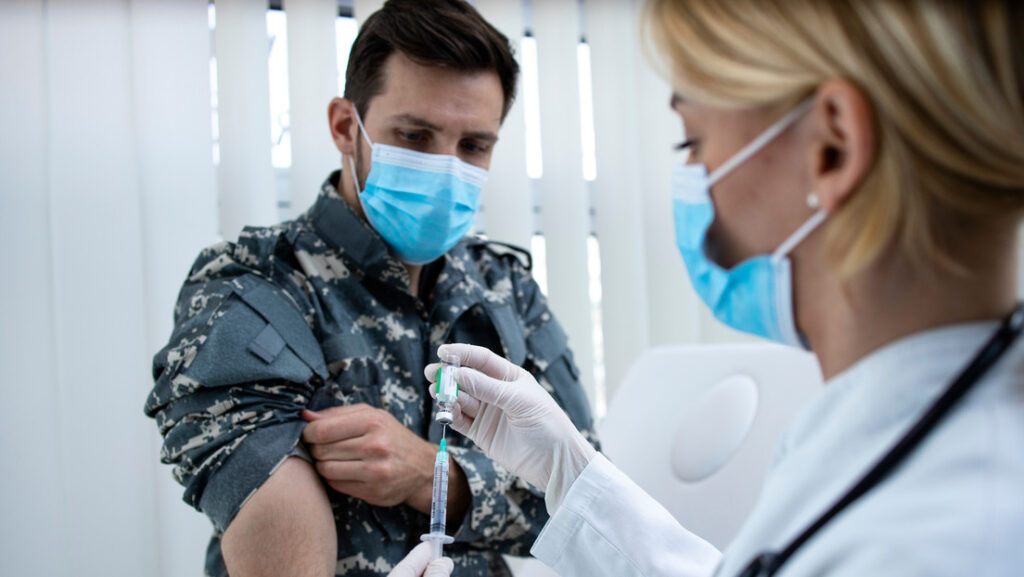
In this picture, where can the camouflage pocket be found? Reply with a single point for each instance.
(275, 307)
(242, 347)
(255, 334)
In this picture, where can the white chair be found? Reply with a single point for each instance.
(696, 426)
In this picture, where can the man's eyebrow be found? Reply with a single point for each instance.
(416, 121)
(483, 135)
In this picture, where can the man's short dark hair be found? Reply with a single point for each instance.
(448, 34)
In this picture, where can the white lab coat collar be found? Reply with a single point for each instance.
(888, 388)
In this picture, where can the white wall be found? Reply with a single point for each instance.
(108, 189)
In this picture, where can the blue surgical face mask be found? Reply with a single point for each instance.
(755, 296)
(421, 204)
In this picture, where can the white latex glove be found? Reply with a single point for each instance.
(503, 409)
(418, 564)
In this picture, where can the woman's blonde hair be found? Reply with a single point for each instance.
(945, 80)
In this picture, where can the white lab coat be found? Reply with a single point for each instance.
(955, 507)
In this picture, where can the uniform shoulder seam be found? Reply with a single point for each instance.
(504, 249)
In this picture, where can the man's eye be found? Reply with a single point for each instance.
(412, 136)
(473, 147)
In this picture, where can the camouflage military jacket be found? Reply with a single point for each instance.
(314, 313)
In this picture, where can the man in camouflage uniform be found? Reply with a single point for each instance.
(317, 320)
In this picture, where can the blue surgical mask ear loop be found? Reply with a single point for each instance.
(755, 146)
(799, 235)
(352, 162)
(752, 148)
(805, 229)
(784, 299)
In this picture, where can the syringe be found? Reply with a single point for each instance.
(439, 503)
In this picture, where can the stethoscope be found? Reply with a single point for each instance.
(769, 562)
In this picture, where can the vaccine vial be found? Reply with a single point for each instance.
(447, 389)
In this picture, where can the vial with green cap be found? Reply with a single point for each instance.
(447, 389)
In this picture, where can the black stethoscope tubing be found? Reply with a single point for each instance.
(768, 563)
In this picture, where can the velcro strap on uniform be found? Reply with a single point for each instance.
(267, 345)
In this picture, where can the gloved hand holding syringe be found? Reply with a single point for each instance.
(447, 391)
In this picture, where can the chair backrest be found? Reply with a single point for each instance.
(696, 427)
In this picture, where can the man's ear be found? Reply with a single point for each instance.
(341, 117)
(844, 144)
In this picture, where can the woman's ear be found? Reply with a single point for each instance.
(845, 142)
(341, 117)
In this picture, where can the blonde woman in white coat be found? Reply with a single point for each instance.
(853, 185)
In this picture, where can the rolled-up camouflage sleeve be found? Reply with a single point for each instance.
(230, 385)
(506, 513)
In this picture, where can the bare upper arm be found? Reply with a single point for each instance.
(285, 528)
